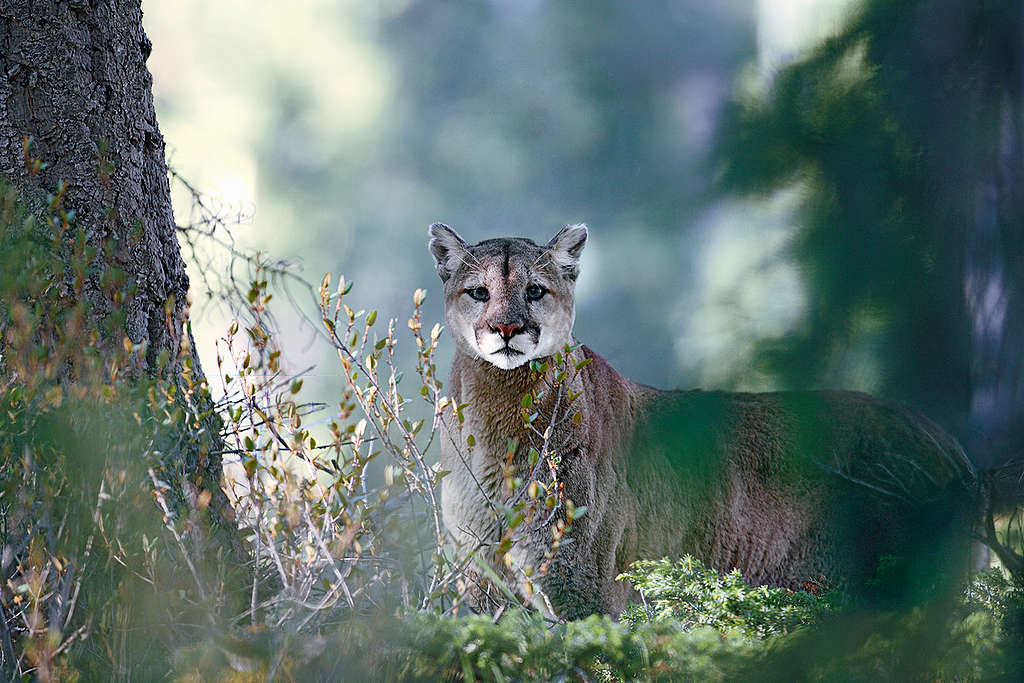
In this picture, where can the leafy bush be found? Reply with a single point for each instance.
(523, 647)
(833, 640)
(689, 594)
(829, 637)
(96, 543)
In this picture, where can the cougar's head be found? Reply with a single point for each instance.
(508, 300)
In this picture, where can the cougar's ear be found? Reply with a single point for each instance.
(447, 248)
(566, 248)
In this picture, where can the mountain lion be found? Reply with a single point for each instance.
(799, 490)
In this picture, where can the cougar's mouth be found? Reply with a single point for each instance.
(509, 351)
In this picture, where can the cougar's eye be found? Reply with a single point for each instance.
(535, 292)
(479, 293)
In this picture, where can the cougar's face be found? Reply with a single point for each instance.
(509, 300)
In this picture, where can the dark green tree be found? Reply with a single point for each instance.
(906, 133)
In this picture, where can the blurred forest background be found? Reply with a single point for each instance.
(804, 194)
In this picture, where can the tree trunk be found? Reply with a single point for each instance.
(74, 80)
(76, 112)
(994, 259)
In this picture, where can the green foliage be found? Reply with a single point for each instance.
(831, 637)
(688, 594)
(967, 640)
(524, 647)
(44, 324)
(995, 602)
(521, 646)
(92, 564)
(993, 592)
(97, 542)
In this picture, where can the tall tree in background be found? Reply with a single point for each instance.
(77, 120)
(906, 134)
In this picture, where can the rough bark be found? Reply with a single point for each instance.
(73, 77)
(73, 80)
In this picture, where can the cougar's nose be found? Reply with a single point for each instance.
(506, 331)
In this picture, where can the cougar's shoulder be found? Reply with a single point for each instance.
(613, 405)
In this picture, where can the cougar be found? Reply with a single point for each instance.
(807, 490)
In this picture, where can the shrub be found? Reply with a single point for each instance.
(689, 594)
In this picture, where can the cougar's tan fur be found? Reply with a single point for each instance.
(795, 489)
